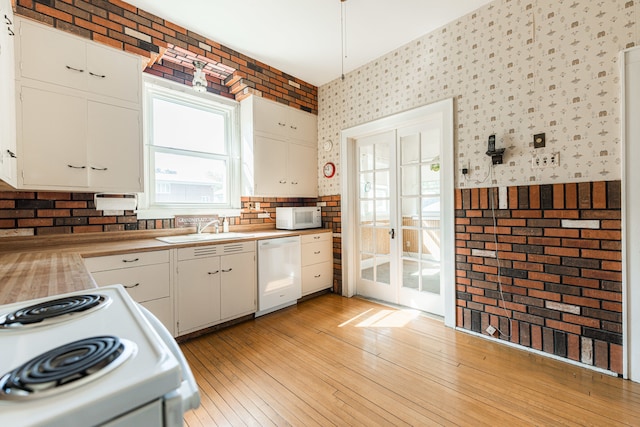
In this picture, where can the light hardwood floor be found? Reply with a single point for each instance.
(340, 361)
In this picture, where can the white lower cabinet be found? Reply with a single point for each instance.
(317, 262)
(214, 284)
(145, 275)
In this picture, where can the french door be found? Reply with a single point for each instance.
(399, 216)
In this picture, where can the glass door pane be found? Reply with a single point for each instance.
(376, 201)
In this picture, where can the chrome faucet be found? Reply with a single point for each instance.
(202, 227)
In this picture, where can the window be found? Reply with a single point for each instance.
(192, 151)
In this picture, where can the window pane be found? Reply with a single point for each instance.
(187, 179)
(188, 128)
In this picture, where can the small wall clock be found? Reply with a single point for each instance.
(329, 170)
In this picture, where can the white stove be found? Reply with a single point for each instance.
(66, 362)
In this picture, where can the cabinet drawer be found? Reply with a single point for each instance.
(313, 253)
(318, 237)
(144, 283)
(120, 261)
(317, 277)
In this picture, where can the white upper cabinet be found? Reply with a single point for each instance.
(78, 119)
(8, 171)
(285, 122)
(279, 150)
(52, 56)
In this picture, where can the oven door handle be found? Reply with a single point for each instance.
(189, 387)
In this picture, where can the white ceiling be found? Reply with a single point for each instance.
(303, 37)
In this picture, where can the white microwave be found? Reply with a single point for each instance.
(297, 218)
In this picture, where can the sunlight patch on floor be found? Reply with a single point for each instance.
(388, 319)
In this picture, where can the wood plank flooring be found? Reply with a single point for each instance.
(346, 361)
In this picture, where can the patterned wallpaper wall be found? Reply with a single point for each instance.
(515, 68)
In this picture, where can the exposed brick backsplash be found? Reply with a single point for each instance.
(123, 26)
(559, 259)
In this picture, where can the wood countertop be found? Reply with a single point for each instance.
(42, 266)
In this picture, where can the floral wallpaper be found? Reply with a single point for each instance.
(515, 68)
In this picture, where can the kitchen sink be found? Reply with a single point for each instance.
(202, 237)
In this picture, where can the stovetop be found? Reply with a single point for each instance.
(138, 369)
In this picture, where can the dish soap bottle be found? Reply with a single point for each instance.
(225, 225)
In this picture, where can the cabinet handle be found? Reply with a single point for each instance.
(213, 272)
(294, 182)
(281, 124)
(316, 237)
(131, 260)
(11, 154)
(102, 76)
(74, 69)
(226, 271)
(98, 169)
(132, 286)
(294, 127)
(317, 275)
(8, 20)
(11, 33)
(316, 253)
(77, 167)
(282, 181)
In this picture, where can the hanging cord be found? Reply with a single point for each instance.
(343, 33)
(495, 240)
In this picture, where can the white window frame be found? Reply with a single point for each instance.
(155, 86)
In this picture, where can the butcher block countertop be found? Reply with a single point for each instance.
(42, 266)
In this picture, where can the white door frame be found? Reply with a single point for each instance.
(630, 65)
(349, 194)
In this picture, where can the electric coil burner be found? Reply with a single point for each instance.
(61, 368)
(90, 358)
(52, 311)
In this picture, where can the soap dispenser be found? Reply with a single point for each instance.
(225, 225)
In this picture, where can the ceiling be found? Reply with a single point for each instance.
(303, 37)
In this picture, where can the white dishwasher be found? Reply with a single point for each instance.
(279, 274)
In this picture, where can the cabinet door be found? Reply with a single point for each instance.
(7, 95)
(238, 285)
(303, 171)
(270, 167)
(114, 148)
(198, 294)
(113, 73)
(302, 127)
(52, 56)
(53, 130)
(269, 117)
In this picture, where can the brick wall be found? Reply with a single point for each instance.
(332, 219)
(559, 259)
(171, 49)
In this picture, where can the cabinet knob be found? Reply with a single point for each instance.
(74, 69)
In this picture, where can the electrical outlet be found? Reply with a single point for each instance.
(257, 206)
(491, 330)
(540, 161)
